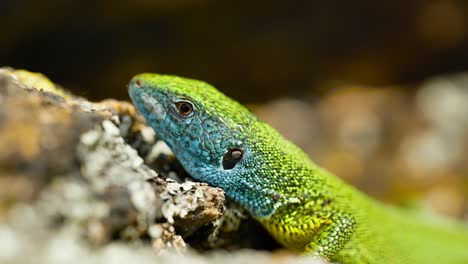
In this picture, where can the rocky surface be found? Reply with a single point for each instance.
(90, 181)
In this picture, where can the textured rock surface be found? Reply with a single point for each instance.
(90, 181)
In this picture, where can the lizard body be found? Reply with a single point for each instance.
(304, 207)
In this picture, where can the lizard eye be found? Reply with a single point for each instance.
(184, 108)
(232, 157)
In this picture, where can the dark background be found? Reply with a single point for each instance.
(252, 50)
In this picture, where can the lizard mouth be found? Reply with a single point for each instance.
(145, 102)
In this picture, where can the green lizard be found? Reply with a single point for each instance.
(304, 207)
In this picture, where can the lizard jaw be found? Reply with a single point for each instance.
(146, 102)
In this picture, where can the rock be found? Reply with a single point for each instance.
(38, 134)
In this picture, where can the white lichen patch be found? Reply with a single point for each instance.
(148, 134)
(71, 199)
(158, 149)
(108, 161)
(11, 244)
(142, 197)
(230, 221)
(180, 199)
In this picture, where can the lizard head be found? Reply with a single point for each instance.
(204, 128)
(218, 141)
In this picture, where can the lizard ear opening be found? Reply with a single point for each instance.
(232, 157)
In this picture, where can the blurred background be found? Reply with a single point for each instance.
(372, 90)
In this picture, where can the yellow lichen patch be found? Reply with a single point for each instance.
(38, 81)
(118, 106)
(20, 137)
(25, 133)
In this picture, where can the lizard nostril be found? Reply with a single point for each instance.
(138, 82)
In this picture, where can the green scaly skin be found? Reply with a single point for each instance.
(304, 207)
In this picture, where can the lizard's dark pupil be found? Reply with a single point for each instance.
(184, 108)
(232, 157)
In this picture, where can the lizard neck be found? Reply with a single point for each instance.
(274, 173)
